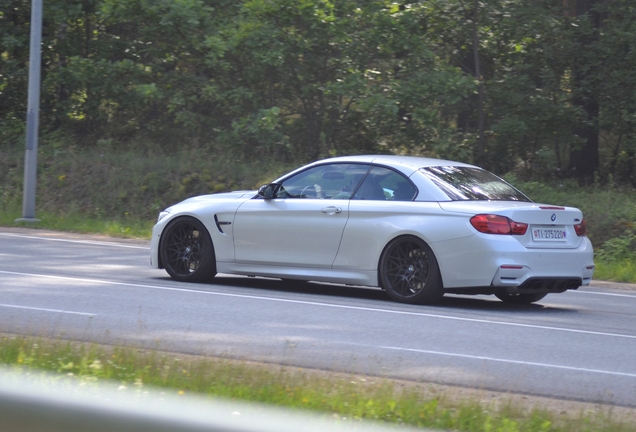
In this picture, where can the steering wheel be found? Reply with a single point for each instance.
(311, 189)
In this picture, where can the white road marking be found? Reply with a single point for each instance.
(605, 294)
(47, 310)
(88, 242)
(369, 309)
(494, 359)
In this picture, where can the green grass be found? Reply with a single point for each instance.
(119, 192)
(125, 227)
(623, 271)
(336, 394)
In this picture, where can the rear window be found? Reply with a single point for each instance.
(472, 184)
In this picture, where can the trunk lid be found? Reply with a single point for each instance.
(549, 226)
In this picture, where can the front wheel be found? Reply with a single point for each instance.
(186, 251)
(409, 272)
(519, 298)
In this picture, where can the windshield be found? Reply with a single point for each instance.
(472, 184)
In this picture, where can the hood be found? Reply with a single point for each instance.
(220, 196)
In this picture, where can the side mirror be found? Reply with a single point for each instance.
(268, 191)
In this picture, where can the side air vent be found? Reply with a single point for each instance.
(219, 224)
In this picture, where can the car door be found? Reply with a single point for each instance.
(302, 225)
(381, 207)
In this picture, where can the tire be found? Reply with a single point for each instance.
(409, 272)
(186, 251)
(519, 298)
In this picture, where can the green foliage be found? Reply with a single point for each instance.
(619, 249)
(120, 191)
(298, 80)
(348, 76)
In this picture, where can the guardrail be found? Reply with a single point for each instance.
(31, 401)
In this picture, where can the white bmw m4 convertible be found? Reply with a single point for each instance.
(416, 227)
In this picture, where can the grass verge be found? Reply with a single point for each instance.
(119, 192)
(622, 271)
(125, 227)
(420, 405)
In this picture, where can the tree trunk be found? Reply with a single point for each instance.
(584, 157)
(480, 154)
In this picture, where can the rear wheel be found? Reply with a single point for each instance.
(186, 251)
(519, 298)
(409, 272)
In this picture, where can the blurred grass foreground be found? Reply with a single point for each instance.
(336, 396)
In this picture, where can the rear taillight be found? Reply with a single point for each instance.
(495, 224)
(581, 229)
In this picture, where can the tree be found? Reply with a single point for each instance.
(617, 96)
(346, 76)
(538, 87)
(584, 156)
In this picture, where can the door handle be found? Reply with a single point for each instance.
(331, 210)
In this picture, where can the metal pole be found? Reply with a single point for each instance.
(33, 113)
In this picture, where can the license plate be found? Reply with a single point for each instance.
(549, 234)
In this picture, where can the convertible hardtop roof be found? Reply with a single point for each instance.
(414, 162)
(406, 164)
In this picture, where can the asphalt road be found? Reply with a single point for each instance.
(580, 345)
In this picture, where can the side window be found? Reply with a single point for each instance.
(331, 181)
(385, 184)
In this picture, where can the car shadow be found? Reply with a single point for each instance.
(302, 287)
(488, 303)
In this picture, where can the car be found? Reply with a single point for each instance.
(415, 227)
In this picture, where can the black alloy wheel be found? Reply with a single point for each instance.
(186, 251)
(409, 272)
(519, 298)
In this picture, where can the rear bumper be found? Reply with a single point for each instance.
(545, 285)
(555, 271)
(502, 262)
(530, 286)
